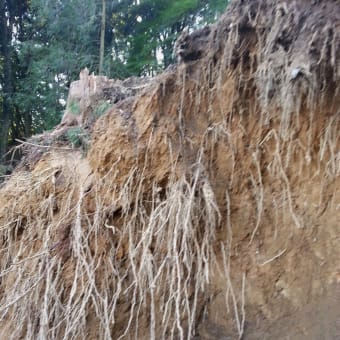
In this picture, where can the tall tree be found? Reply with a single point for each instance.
(145, 31)
(7, 76)
(102, 37)
(11, 18)
(62, 38)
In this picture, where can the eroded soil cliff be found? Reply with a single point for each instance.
(208, 204)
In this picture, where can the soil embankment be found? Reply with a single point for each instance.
(208, 203)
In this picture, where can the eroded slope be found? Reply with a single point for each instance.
(208, 207)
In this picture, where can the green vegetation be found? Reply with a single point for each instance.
(44, 44)
(101, 109)
(74, 107)
(78, 137)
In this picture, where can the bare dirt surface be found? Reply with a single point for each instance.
(208, 204)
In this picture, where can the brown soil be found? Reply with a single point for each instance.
(207, 207)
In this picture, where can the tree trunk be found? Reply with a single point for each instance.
(7, 85)
(102, 37)
(28, 124)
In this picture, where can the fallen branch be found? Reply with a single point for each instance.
(42, 146)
